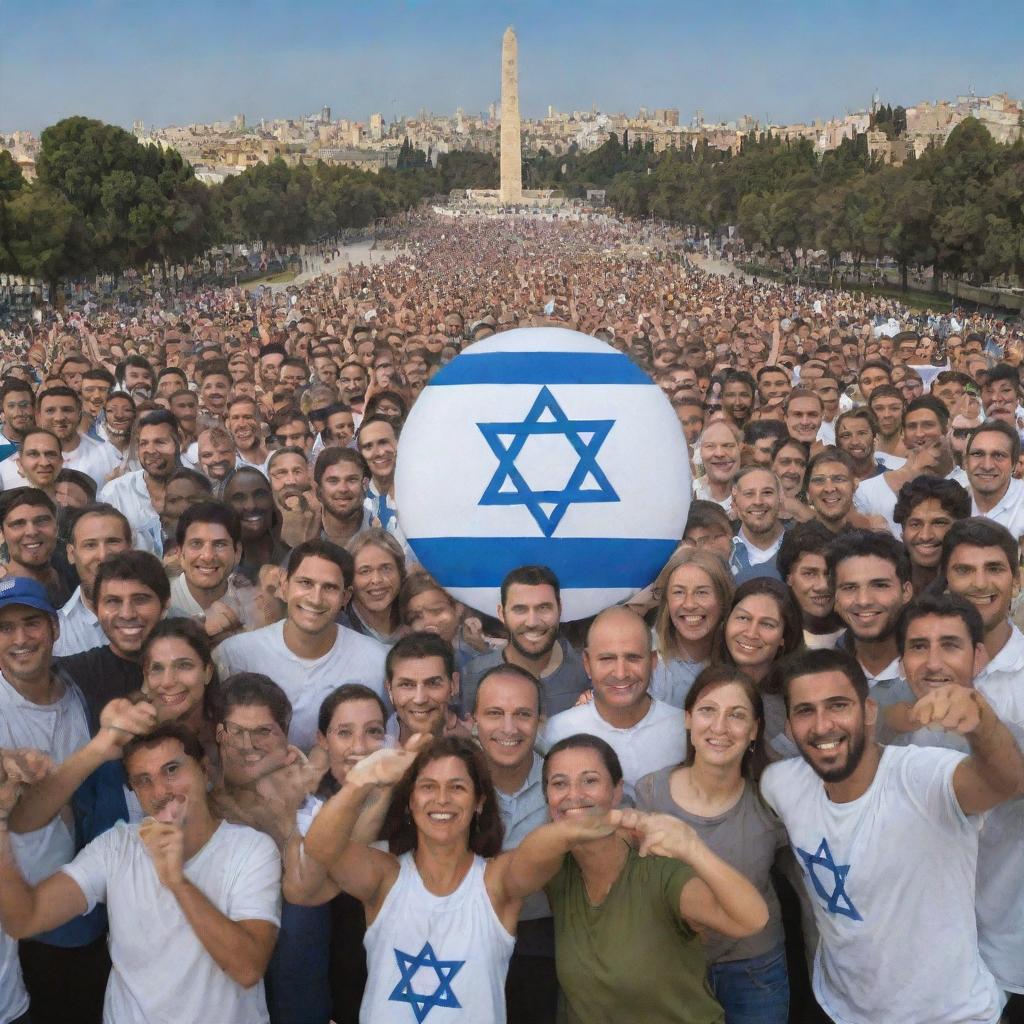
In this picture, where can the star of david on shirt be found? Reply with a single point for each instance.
(837, 901)
(442, 995)
(586, 484)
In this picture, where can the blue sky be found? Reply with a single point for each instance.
(179, 61)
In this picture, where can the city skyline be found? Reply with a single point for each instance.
(121, 63)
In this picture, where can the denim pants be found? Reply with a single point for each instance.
(753, 991)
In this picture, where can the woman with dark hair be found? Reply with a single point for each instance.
(763, 626)
(180, 680)
(442, 906)
(627, 920)
(715, 792)
(248, 492)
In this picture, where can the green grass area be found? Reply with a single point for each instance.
(285, 277)
(913, 298)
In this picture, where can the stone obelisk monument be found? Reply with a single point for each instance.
(511, 144)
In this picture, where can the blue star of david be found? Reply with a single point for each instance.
(836, 901)
(441, 996)
(519, 491)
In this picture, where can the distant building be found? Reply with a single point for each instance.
(376, 127)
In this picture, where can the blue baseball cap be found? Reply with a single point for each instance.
(22, 590)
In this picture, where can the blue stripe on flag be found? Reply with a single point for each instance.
(541, 368)
(578, 562)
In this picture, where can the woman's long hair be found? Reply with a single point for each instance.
(756, 757)
(721, 580)
(486, 831)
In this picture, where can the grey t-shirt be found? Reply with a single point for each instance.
(747, 837)
(561, 689)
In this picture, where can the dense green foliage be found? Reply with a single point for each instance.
(103, 201)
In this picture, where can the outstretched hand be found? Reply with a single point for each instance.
(20, 768)
(386, 766)
(951, 708)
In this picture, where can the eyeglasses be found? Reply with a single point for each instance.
(260, 737)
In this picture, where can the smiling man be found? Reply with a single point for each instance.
(530, 609)
(140, 493)
(870, 576)
(508, 715)
(95, 532)
(156, 908)
(340, 479)
(28, 526)
(645, 733)
(378, 444)
(130, 594)
(243, 423)
(720, 454)
(757, 501)
(990, 458)
(926, 507)
(422, 684)
(308, 654)
(863, 819)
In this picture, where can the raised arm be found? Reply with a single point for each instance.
(536, 860)
(720, 897)
(358, 869)
(994, 771)
(43, 800)
(27, 910)
(242, 949)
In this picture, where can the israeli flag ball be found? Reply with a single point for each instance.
(543, 446)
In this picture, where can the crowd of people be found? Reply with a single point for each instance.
(256, 765)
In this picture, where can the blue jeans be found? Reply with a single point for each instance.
(754, 991)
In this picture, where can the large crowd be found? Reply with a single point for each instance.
(256, 765)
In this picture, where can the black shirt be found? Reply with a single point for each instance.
(102, 676)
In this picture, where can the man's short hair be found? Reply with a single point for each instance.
(99, 373)
(932, 404)
(370, 420)
(326, 550)
(164, 731)
(184, 473)
(810, 538)
(740, 377)
(253, 689)
(798, 393)
(333, 456)
(997, 427)
(58, 391)
(886, 391)
(14, 385)
(420, 645)
(809, 663)
(944, 606)
(31, 496)
(875, 364)
(158, 418)
(707, 515)
(531, 576)
(287, 450)
(758, 430)
(953, 498)
(1003, 371)
(82, 481)
(215, 513)
(980, 532)
(137, 567)
(831, 453)
(860, 412)
(506, 668)
(73, 516)
(866, 544)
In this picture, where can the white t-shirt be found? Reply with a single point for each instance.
(656, 741)
(352, 659)
(80, 630)
(161, 971)
(890, 461)
(702, 493)
(130, 495)
(874, 497)
(97, 459)
(891, 878)
(1009, 510)
(13, 997)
